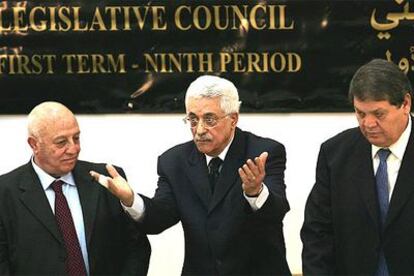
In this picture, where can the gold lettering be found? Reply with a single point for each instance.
(177, 17)
(294, 59)
(113, 12)
(18, 13)
(253, 16)
(225, 59)
(139, 17)
(117, 65)
(36, 64)
(127, 23)
(218, 17)
(49, 62)
(97, 20)
(149, 60)
(2, 27)
(196, 18)
(98, 62)
(242, 17)
(282, 18)
(205, 59)
(77, 20)
(68, 60)
(83, 67)
(158, 18)
(282, 61)
(33, 25)
(3, 60)
(63, 14)
(52, 11)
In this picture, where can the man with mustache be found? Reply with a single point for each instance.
(53, 219)
(358, 217)
(226, 187)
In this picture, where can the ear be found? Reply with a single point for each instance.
(407, 103)
(234, 119)
(33, 144)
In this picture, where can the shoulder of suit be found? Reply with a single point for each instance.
(12, 177)
(180, 149)
(346, 138)
(256, 139)
(99, 167)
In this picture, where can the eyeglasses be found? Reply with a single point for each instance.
(209, 121)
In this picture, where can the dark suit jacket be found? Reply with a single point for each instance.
(341, 233)
(222, 234)
(30, 241)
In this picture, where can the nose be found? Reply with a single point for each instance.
(370, 121)
(200, 129)
(72, 147)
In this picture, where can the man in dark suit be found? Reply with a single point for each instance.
(231, 209)
(358, 217)
(95, 235)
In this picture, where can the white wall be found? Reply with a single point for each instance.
(135, 141)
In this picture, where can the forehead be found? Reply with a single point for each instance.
(61, 127)
(201, 106)
(371, 105)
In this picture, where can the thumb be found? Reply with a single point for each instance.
(263, 157)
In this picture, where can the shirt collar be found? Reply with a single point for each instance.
(46, 179)
(398, 148)
(222, 154)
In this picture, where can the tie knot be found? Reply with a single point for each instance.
(214, 164)
(57, 186)
(383, 154)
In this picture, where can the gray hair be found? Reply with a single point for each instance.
(212, 86)
(379, 80)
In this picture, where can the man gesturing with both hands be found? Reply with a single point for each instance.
(226, 187)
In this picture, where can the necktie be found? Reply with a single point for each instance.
(382, 192)
(214, 171)
(74, 260)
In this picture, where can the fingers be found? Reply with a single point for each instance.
(261, 161)
(112, 171)
(101, 179)
(95, 175)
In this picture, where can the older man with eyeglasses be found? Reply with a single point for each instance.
(226, 187)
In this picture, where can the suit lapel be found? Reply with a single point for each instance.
(404, 185)
(229, 172)
(198, 175)
(88, 195)
(365, 179)
(34, 198)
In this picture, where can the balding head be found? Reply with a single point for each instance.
(54, 137)
(46, 114)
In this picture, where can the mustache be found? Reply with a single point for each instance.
(203, 138)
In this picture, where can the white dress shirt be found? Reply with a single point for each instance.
(70, 191)
(394, 159)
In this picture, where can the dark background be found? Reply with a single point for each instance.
(330, 55)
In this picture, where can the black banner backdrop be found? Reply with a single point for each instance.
(140, 56)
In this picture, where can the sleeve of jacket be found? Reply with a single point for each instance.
(160, 211)
(276, 205)
(138, 249)
(4, 258)
(317, 230)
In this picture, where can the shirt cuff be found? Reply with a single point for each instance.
(136, 211)
(257, 202)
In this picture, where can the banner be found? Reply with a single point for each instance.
(140, 56)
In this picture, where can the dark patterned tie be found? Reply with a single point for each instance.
(214, 171)
(382, 192)
(74, 260)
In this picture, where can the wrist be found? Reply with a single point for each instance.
(255, 194)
